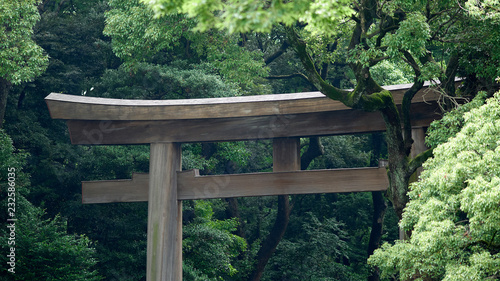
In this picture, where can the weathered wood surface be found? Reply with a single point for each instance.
(72, 107)
(286, 154)
(193, 186)
(418, 136)
(109, 191)
(243, 128)
(164, 249)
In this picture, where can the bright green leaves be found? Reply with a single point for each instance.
(479, 263)
(323, 16)
(484, 10)
(359, 55)
(209, 247)
(440, 131)
(454, 213)
(389, 73)
(258, 16)
(480, 200)
(234, 63)
(202, 9)
(136, 35)
(411, 36)
(21, 59)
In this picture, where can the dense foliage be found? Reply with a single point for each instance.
(21, 59)
(119, 49)
(43, 248)
(454, 213)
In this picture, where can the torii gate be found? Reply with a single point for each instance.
(165, 124)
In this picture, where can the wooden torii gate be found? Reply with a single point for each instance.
(165, 124)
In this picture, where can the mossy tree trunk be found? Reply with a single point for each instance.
(368, 95)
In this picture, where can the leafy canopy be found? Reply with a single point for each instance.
(484, 10)
(21, 59)
(259, 16)
(454, 213)
(209, 247)
(43, 248)
(138, 37)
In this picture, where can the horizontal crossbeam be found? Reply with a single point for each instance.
(73, 107)
(191, 186)
(239, 129)
(97, 121)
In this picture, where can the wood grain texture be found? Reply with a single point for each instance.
(110, 191)
(72, 107)
(279, 183)
(418, 136)
(164, 249)
(192, 186)
(234, 129)
(286, 154)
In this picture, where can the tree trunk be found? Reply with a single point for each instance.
(4, 92)
(398, 159)
(314, 150)
(233, 211)
(272, 240)
(286, 157)
(379, 207)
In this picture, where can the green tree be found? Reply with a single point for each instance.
(21, 59)
(416, 33)
(43, 248)
(136, 37)
(453, 213)
(209, 247)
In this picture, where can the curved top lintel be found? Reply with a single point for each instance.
(73, 107)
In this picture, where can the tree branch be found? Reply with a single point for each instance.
(272, 240)
(278, 53)
(417, 162)
(374, 62)
(451, 21)
(289, 76)
(411, 61)
(314, 150)
(407, 98)
(313, 76)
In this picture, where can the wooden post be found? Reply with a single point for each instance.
(164, 251)
(286, 157)
(418, 136)
(286, 154)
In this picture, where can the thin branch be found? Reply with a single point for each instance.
(377, 60)
(408, 97)
(289, 76)
(435, 15)
(278, 53)
(451, 21)
(408, 58)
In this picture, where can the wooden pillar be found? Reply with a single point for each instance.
(418, 136)
(164, 251)
(286, 154)
(286, 157)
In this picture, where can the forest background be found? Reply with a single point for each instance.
(119, 49)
